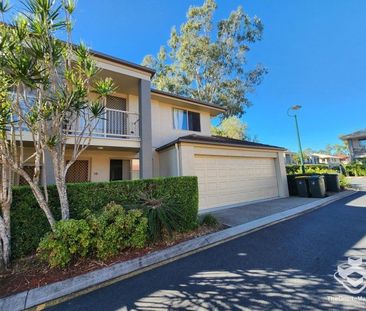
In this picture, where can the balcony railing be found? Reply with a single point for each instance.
(114, 124)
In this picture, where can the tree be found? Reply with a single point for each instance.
(231, 127)
(7, 145)
(336, 149)
(207, 61)
(49, 83)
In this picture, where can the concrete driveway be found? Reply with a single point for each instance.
(358, 182)
(239, 215)
(288, 266)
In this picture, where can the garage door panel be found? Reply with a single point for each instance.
(230, 180)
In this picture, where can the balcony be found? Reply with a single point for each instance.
(359, 152)
(115, 124)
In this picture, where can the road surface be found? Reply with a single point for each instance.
(288, 266)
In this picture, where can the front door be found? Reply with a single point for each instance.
(116, 170)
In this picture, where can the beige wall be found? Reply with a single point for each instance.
(99, 162)
(163, 131)
(169, 162)
(189, 152)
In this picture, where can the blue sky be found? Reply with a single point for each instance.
(315, 51)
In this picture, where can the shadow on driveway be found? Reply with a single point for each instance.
(288, 266)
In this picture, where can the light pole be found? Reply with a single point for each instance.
(295, 108)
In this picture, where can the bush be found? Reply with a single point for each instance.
(163, 216)
(102, 235)
(296, 169)
(356, 169)
(114, 229)
(70, 240)
(209, 220)
(29, 224)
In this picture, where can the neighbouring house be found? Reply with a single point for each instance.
(321, 158)
(148, 133)
(290, 157)
(356, 143)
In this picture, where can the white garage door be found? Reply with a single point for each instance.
(231, 180)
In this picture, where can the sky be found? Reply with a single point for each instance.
(314, 50)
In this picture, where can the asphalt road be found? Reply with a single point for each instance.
(288, 266)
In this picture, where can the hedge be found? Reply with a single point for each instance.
(294, 168)
(29, 224)
(356, 169)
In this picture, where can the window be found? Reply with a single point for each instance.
(78, 172)
(186, 120)
(362, 143)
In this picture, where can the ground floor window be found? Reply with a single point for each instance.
(78, 172)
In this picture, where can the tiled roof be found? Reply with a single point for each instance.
(218, 140)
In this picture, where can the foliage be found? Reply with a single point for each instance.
(29, 224)
(114, 229)
(102, 235)
(296, 169)
(317, 169)
(163, 216)
(356, 169)
(207, 60)
(231, 127)
(51, 82)
(209, 220)
(336, 149)
(71, 239)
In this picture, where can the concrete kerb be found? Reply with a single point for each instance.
(64, 290)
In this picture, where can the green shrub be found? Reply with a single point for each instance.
(115, 229)
(163, 216)
(29, 224)
(296, 169)
(70, 240)
(356, 169)
(209, 220)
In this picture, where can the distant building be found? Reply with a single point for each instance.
(290, 157)
(356, 144)
(320, 158)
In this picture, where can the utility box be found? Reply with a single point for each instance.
(317, 186)
(332, 182)
(302, 186)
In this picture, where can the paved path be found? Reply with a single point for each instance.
(358, 182)
(240, 215)
(288, 266)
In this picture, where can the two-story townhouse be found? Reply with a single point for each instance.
(356, 143)
(149, 133)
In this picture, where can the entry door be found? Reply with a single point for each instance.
(116, 170)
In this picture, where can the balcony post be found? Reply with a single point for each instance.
(145, 129)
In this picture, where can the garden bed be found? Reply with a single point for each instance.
(28, 273)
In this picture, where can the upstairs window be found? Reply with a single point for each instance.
(186, 120)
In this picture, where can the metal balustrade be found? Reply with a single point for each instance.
(114, 124)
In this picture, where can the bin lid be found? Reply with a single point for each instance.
(316, 177)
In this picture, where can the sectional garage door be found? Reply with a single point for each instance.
(225, 180)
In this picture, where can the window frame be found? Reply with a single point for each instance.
(190, 125)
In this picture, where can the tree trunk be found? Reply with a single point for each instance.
(5, 236)
(62, 192)
(60, 179)
(42, 203)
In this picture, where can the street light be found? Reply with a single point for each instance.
(295, 108)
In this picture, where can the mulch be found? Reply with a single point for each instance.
(29, 272)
